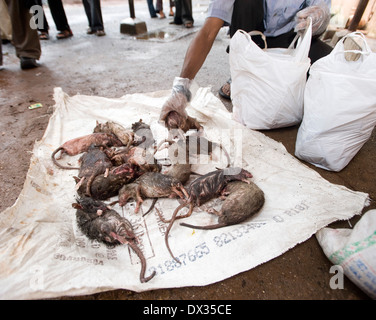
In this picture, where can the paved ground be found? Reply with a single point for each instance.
(117, 64)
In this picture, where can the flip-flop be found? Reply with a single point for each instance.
(188, 24)
(222, 94)
(64, 34)
(44, 36)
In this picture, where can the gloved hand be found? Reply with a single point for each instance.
(320, 15)
(178, 100)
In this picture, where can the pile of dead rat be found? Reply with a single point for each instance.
(120, 162)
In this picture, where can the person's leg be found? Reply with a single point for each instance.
(5, 24)
(44, 25)
(1, 56)
(96, 14)
(159, 9)
(87, 8)
(178, 12)
(58, 14)
(60, 19)
(152, 11)
(172, 4)
(187, 16)
(24, 38)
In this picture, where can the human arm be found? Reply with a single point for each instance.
(195, 57)
(200, 47)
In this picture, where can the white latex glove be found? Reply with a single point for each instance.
(178, 100)
(320, 15)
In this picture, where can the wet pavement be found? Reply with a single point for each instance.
(118, 64)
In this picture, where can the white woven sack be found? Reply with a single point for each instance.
(267, 88)
(339, 107)
(354, 250)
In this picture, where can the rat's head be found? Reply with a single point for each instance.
(175, 183)
(174, 120)
(99, 127)
(89, 205)
(126, 193)
(125, 170)
(237, 173)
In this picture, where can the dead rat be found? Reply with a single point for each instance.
(180, 171)
(180, 168)
(104, 187)
(203, 189)
(175, 121)
(137, 156)
(243, 200)
(151, 185)
(98, 222)
(125, 136)
(180, 151)
(81, 144)
(192, 145)
(179, 160)
(143, 134)
(93, 163)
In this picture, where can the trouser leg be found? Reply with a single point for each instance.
(24, 38)
(42, 25)
(186, 12)
(178, 12)
(159, 6)
(58, 14)
(87, 8)
(152, 11)
(96, 15)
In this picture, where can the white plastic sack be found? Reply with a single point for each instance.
(267, 86)
(339, 107)
(44, 254)
(354, 250)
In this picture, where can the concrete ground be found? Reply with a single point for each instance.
(118, 64)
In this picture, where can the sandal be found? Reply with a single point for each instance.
(225, 90)
(64, 34)
(100, 33)
(44, 35)
(188, 24)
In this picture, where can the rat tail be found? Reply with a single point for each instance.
(151, 206)
(138, 251)
(173, 218)
(57, 163)
(209, 227)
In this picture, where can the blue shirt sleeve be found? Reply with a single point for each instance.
(221, 9)
(279, 16)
